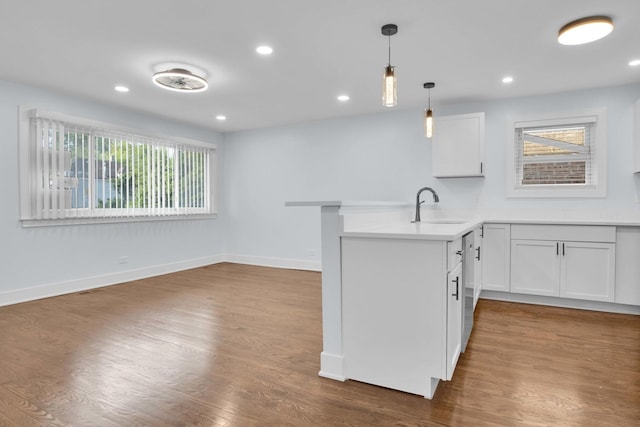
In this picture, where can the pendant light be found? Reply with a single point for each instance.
(389, 82)
(428, 114)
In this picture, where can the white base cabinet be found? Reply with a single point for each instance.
(583, 268)
(478, 236)
(496, 257)
(627, 263)
(402, 323)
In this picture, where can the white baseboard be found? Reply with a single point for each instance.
(292, 264)
(608, 307)
(332, 366)
(86, 283)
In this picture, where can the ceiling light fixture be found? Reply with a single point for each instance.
(507, 79)
(343, 98)
(585, 30)
(634, 62)
(389, 82)
(180, 80)
(428, 114)
(221, 117)
(121, 88)
(264, 50)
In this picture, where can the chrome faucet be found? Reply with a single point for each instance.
(436, 199)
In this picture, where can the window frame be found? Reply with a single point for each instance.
(598, 186)
(25, 171)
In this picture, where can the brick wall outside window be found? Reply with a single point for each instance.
(554, 173)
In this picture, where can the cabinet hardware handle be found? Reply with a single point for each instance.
(459, 253)
(563, 249)
(457, 282)
(557, 248)
(482, 232)
(478, 256)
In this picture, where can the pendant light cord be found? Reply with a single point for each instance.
(389, 37)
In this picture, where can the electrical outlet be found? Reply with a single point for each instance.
(123, 260)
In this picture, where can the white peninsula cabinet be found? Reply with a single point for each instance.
(458, 146)
(401, 311)
(566, 261)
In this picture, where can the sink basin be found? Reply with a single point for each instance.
(443, 221)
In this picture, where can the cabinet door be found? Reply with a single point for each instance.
(535, 267)
(477, 264)
(627, 289)
(587, 271)
(454, 319)
(458, 145)
(496, 257)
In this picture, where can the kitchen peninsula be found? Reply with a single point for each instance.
(392, 298)
(391, 310)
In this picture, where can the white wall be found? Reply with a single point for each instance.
(376, 157)
(386, 157)
(41, 261)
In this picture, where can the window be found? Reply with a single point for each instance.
(74, 171)
(562, 155)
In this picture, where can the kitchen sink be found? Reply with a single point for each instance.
(443, 221)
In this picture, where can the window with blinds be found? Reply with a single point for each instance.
(553, 155)
(77, 170)
(558, 155)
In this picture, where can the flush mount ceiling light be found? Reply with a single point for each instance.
(585, 30)
(389, 82)
(428, 114)
(180, 80)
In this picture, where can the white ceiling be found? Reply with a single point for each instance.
(322, 48)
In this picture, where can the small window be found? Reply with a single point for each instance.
(558, 157)
(74, 171)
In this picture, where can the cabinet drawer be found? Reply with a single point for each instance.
(454, 254)
(574, 233)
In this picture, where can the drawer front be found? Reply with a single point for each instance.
(574, 233)
(454, 254)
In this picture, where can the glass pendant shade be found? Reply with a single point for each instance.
(428, 123)
(389, 87)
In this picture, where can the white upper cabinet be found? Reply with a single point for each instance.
(636, 137)
(458, 146)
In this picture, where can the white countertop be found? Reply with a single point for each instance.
(410, 230)
(393, 219)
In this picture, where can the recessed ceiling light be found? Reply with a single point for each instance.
(121, 88)
(180, 80)
(343, 98)
(585, 30)
(264, 50)
(634, 62)
(507, 79)
(221, 117)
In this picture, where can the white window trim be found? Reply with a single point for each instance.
(24, 143)
(598, 165)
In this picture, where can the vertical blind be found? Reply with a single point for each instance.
(78, 171)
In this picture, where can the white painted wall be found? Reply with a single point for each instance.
(45, 260)
(377, 157)
(386, 157)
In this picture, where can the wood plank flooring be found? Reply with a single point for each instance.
(235, 345)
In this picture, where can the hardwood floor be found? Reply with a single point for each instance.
(234, 345)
